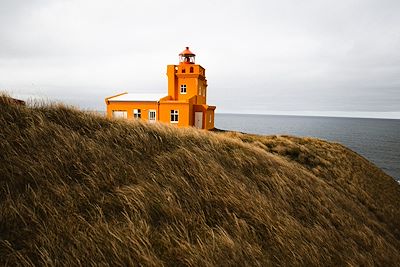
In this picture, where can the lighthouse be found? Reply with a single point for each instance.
(184, 106)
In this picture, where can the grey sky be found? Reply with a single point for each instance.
(260, 56)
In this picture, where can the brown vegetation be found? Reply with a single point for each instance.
(77, 189)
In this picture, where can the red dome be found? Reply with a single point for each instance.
(187, 52)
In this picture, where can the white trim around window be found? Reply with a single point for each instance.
(152, 115)
(183, 89)
(174, 116)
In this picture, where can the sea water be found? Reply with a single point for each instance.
(378, 140)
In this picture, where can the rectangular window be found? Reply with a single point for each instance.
(174, 116)
(120, 114)
(210, 118)
(200, 90)
(183, 88)
(152, 115)
(137, 113)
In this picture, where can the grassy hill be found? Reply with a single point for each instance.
(78, 190)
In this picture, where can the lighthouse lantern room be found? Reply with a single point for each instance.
(186, 57)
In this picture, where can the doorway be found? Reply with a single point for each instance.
(198, 120)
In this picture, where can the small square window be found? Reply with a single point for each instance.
(174, 116)
(137, 113)
(183, 88)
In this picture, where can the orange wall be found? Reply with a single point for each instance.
(130, 106)
(194, 81)
(184, 113)
(191, 87)
(172, 80)
(209, 124)
(163, 110)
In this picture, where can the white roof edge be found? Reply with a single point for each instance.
(132, 97)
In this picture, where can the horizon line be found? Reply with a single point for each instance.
(387, 115)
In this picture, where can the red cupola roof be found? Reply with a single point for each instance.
(186, 56)
(187, 52)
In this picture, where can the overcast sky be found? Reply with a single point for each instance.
(286, 56)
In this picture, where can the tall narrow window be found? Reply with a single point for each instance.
(137, 113)
(183, 88)
(191, 69)
(152, 115)
(199, 90)
(174, 116)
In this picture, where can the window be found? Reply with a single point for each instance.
(183, 88)
(210, 118)
(174, 116)
(199, 90)
(120, 114)
(183, 71)
(152, 115)
(137, 113)
(191, 69)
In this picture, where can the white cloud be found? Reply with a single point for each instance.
(267, 55)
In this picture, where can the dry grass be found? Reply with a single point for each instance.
(80, 190)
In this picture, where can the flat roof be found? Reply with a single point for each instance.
(137, 97)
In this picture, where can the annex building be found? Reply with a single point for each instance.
(186, 102)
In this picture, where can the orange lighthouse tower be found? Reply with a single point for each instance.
(186, 102)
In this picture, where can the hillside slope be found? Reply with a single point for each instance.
(78, 190)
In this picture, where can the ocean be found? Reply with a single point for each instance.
(378, 140)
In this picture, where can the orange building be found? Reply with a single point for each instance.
(186, 102)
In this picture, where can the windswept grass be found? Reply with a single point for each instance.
(78, 190)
